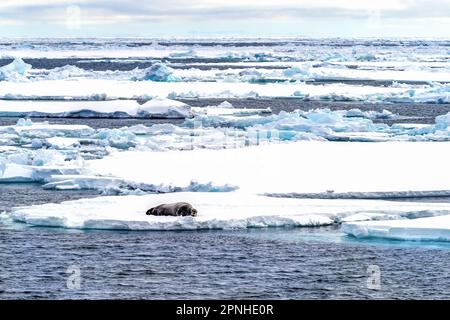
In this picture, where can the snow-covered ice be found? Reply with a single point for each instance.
(251, 137)
(160, 72)
(318, 69)
(299, 167)
(155, 108)
(421, 229)
(94, 88)
(215, 211)
(15, 71)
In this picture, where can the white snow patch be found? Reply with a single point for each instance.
(302, 167)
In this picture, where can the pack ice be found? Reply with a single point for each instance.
(215, 127)
(155, 108)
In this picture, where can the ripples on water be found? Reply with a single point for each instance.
(266, 264)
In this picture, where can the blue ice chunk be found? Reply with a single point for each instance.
(161, 73)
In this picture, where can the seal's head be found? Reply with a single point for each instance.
(149, 212)
(194, 212)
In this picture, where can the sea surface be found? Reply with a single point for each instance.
(299, 263)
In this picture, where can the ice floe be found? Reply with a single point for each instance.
(30, 173)
(15, 71)
(95, 89)
(214, 131)
(324, 124)
(260, 175)
(421, 229)
(155, 108)
(25, 127)
(320, 124)
(227, 109)
(160, 72)
(36, 143)
(391, 168)
(215, 211)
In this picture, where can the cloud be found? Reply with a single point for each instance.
(157, 10)
(109, 12)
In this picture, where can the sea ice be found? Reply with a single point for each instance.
(93, 89)
(215, 211)
(117, 138)
(298, 73)
(164, 108)
(27, 173)
(291, 125)
(421, 229)
(227, 109)
(24, 122)
(391, 168)
(155, 108)
(15, 71)
(111, 185)
(26, 128)
(160, 72)
(366, 57)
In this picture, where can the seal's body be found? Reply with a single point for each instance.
(173, 209)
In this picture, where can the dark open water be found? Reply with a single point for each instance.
(264, 264)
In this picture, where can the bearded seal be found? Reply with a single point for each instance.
(173, 209)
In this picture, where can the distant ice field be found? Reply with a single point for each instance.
(376, 71)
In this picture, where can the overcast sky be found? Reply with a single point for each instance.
(210, 18)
